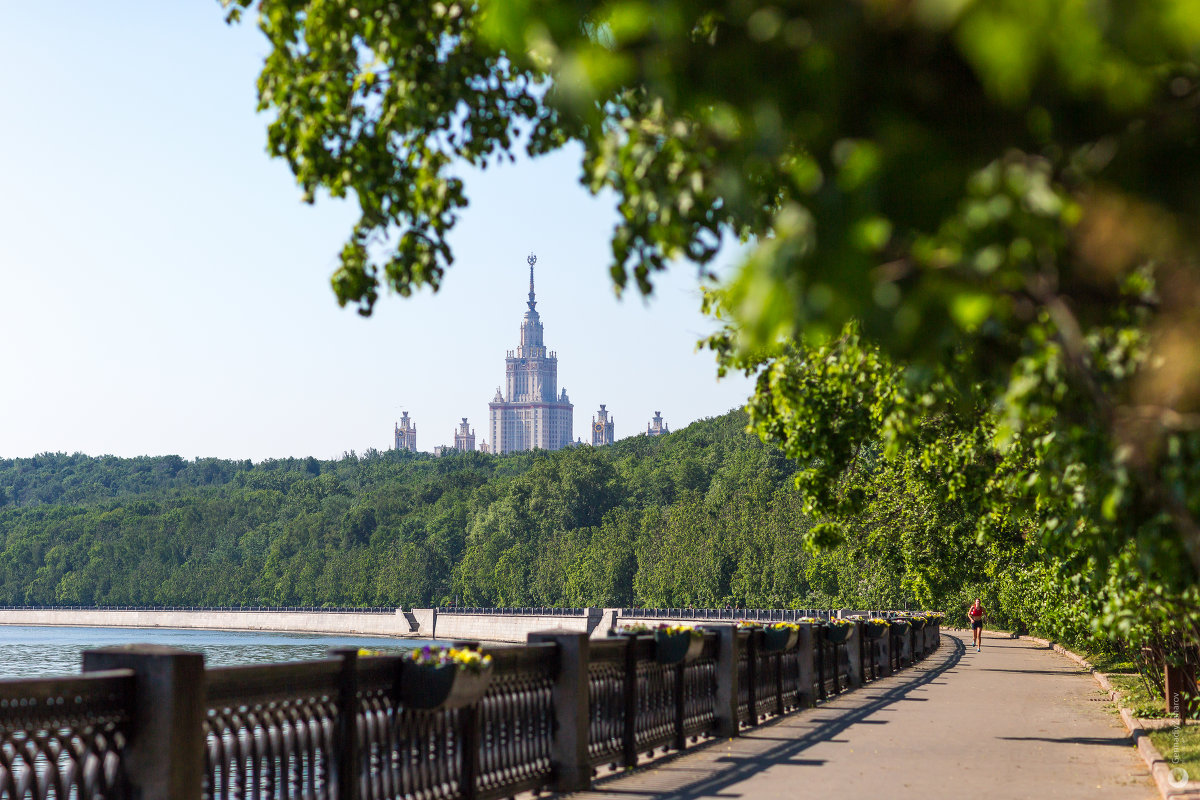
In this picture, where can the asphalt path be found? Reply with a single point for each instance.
(1013, 721)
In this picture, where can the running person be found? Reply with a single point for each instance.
(976, 615)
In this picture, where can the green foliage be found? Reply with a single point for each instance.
(997, 197)
(583, 526)
(1000, 195)
(1022, 503)
(705, 516)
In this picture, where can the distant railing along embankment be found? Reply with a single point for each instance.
(715, 614)
(292, 609)
(153, 722)
(729, 614)
(527, 611)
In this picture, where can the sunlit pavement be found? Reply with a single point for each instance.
(1013, 721)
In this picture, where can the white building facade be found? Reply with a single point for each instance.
(464, 437)
(406, 433)
(657, 426)
(530, 412)
(603, 427)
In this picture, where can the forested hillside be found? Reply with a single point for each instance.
(703, 516)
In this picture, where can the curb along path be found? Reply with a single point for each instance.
(1012, 721)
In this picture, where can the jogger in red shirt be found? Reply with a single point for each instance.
(976, 615)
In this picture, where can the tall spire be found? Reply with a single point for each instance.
(531, 261)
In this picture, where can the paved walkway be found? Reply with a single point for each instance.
(1013, 721)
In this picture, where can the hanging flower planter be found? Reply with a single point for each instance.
(677, 644)
(917, 622)
(838, 631)
(899, 627)
(444, 677)
(780, 636)
(636, 629)
(876, 628)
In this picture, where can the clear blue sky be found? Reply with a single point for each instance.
(164, 290)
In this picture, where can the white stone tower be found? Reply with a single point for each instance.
(657, 426)
(464, 437)
(406, 433)
(530, 412)
(602, 427)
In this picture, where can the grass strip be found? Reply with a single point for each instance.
(1180, 747)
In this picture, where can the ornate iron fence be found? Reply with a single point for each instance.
(335, 728)
(66, 737)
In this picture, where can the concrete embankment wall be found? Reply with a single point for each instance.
(450, 626)
(290, 621)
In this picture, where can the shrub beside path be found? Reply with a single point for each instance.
(1014, 721)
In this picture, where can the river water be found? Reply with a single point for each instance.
(27, 652)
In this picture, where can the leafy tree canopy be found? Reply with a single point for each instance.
(999, 194)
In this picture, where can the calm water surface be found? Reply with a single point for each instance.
(27, 652)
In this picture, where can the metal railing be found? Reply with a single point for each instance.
(728, 614)
(535, 611)
(153, 722)
(749, 614)
(66, 737)
(304, 609)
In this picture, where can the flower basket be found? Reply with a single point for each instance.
(632, 630)
(917, 623)
(436, 677)
(677, 646)
(838, 633)
(430, 686)
(899, 627)
(776, 640)
(875, 629)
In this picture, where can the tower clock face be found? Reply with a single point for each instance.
(598, 427)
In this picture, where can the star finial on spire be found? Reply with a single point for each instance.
(531, 260)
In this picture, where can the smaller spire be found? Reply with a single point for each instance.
(531, 260)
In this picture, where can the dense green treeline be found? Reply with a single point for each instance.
(704, 516)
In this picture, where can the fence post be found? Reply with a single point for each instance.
(569, 751)
(346, 726)
(818, 636)
(854, 656)
(752, 676)
(629, 753)
(862, 655)
(884, 653)
(726, 712)
(165, 758)
(778, 683)
(804, 653)
(837, 666)
(680, 739)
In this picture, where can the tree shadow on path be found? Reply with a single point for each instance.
(737, 767)
(1114, 741)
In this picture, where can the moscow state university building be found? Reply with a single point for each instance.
(531, 412)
